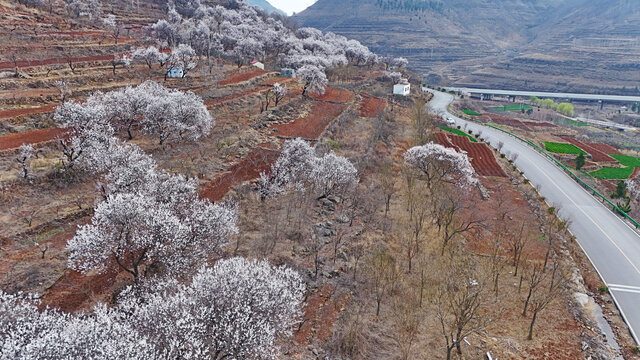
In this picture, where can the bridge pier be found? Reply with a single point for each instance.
(600, 104)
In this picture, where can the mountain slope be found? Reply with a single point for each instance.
(265, 5)
(546, 44)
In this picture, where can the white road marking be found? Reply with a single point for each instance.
(624, 290)
(625, 286)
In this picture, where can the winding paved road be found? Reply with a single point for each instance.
(612, 246)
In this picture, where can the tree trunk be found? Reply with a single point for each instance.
(526, 302)
(533, 321)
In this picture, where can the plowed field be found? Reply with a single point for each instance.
(509, 122)
(248, 168)
(371, 106)
(311, 126)
(13, 141)
(334, 95)
(482, 157)
(238, 77)
(12, 113)
(596, 155)
(607, 149)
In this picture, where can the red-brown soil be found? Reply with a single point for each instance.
(248, 168)
(371, 106)
(321, 311)
(312, 126)
(242, 76)
(334, 95)
(31, 137)
(508, 121)
(72, 290)
(605, 148)
(572, 163)
(596, 155)
(540, 124)
(277, 79)
(482, 157)
(8, 114)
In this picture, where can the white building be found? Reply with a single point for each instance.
(257, 64)
(402, 88)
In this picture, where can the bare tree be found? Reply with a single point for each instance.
(69, 58)
(543, 296)
(420, 116)
(535, 278)
(387, 181)
(517, 242)
(458, 302)
(406, 325)
(383, 274)
(497, 262)
(416, 229)
(454, 218)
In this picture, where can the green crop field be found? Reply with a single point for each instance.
(612, 173)
(511, 108)
(625, 160)
(471, 112)
(569, 122)
(562, 148)
(458, 132)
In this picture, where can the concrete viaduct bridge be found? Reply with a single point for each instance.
(512, 95)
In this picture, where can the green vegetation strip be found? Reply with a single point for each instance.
(561, 165)
(569, 122)
(471, 112)
(511, 108)
(562, 148)
(626, 160)
(458, 132)
(612, 173)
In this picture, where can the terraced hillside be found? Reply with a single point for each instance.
(544, 45)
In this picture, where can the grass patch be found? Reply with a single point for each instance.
(569, 122)
(471, 112)
(49, 234)
(458, 132)
(612, 173)
(515, 107)
(626, 160)
(562, 148)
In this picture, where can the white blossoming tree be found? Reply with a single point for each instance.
(238, 310)
(88, 129)
(25, 153)
(27, 332)
(314, 79)
(165, 227)
(279, 92)
(298, 167)
(441, 164)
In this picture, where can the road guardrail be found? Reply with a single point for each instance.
(561, 165)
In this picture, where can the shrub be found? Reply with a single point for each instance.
(335, 145)
(603, 289)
